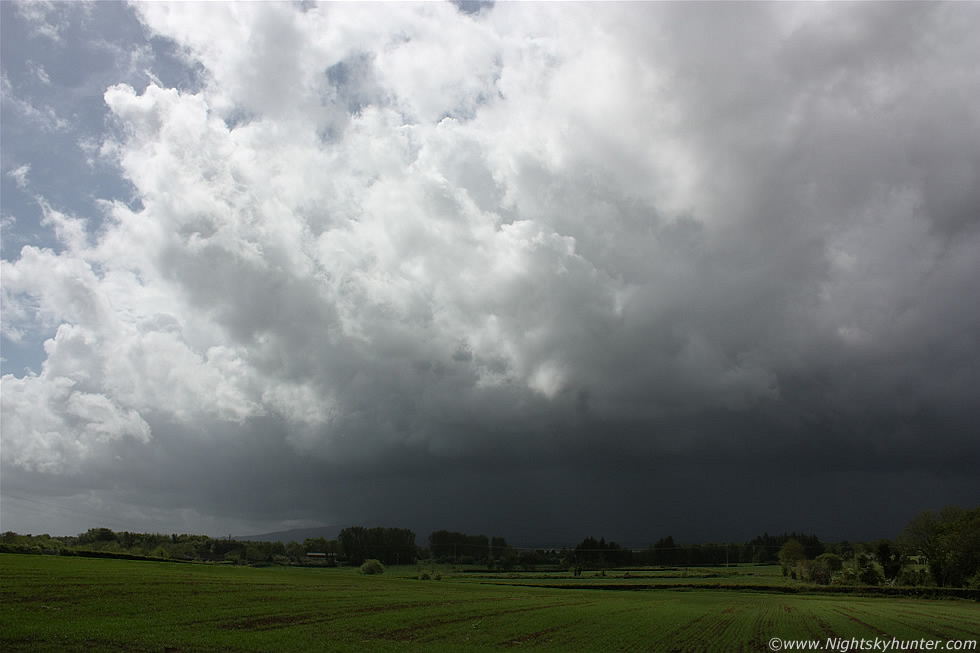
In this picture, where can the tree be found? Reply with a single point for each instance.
(791, 553)
(352, 541)
(962, 540)
(891, 560)
(398, 546)
(97, 536)
(832, 561)
(391, 545)
(948, 542)
(315, 545)
(867, 570)
(295, 551)
(451, 545)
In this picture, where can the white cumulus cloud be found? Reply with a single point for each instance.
(412, 234)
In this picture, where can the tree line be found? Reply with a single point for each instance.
(935, 548)
(940, 549)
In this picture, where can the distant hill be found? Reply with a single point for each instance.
(293, 535)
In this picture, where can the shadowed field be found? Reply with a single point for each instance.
(75, 604)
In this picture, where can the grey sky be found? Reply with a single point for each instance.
(541, 270)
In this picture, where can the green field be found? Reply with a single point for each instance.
(75, 604)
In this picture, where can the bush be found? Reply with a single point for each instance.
(833, 562)
(909, 576)
(814, 571)
(372, 567)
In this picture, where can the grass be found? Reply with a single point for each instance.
(75, 604)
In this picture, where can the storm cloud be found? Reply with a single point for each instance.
(541, 270)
